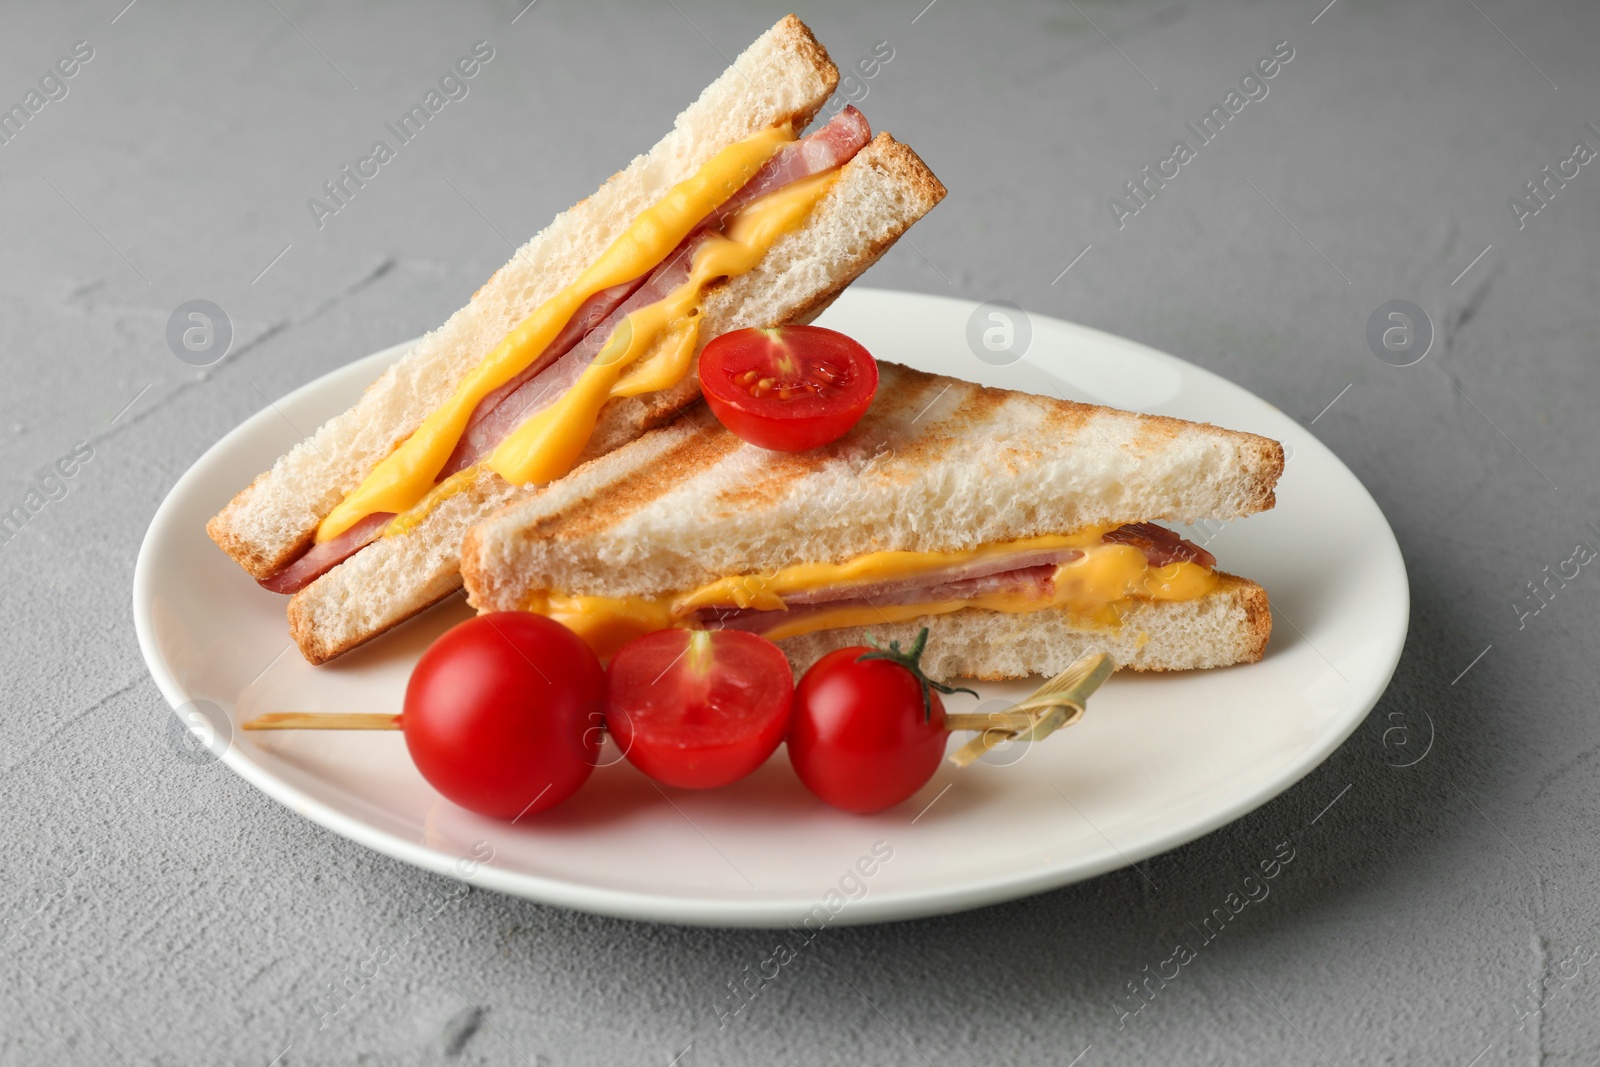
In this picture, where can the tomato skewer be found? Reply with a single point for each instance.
(866, 731)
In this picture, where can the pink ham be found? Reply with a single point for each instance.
(923, 584)
(559, 365)
(1021, 572)
(590, 314)
(1160, 545)
(534, 394)
(833, 145)
(507, 407)
(1033, 580)
(322, 558)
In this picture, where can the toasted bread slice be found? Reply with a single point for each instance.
(936, 465)
(785, 76)
(878, 195)
(1228, 625)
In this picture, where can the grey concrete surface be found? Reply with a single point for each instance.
(162, 912)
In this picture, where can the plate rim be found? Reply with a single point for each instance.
(767, 911)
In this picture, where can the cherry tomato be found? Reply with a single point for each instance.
(788, 389)
(862, 738)
(502, 714)
(699, 709)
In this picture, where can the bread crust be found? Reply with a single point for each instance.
(257, 561)
(794, 36)
(314, 643)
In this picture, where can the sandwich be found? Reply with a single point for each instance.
(1022, 531)
(587, 338)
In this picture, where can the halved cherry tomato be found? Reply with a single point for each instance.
(502, 714)
(868, 727)
(699, 709)
(788, 389)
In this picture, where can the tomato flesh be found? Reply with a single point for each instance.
(502, 714)
(858, 737)
(698, 709)
(788, 389)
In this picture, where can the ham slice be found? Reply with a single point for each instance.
(1023, 572)
(539, 392)
(1160, 545)
(929, 582)
(828, 147)
(558, 367)
(584, 336)
(590, 314)
(320, 559)
(1036, 581)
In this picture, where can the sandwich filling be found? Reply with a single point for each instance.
(1095, 574)
(529, 407)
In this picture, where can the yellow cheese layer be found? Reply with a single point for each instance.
(1094, 588)
(408, 473)
(407, 520)
(548, 444)
(607, 623)
(767, 591)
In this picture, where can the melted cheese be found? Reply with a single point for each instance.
(767, 591)
(548, 444)
(839, 618)
(1096, 589)
(457, 483)
(407, 474)
(607, 623)
(1108, 573)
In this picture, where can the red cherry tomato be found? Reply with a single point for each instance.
(501, 714)
(861, 738)
(788, 389)
(698, 709)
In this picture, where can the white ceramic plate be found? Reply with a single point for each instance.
(1158, 761)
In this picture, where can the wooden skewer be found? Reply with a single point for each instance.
(1007, 721)
(1057, 703)
(999, 720)
(310, 720)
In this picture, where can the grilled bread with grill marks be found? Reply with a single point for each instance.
(936, 465)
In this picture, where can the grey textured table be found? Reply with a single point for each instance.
(160, 911)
